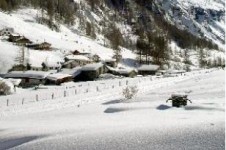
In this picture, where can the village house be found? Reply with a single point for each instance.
(51, 65)
(6, 31)
(28, 78)
(14, 37)
(75, 52)
(44, 46)
(92, 71)
(148, 69)
(40, 46)
(74, 72)
(72, 61)
(18, 39)
(23, 41)
(58, 79)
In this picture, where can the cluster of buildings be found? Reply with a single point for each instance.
(23, 41)
(77, 66)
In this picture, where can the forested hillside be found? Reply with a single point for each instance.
(149, 28)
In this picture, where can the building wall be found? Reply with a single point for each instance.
(147, 72)
(26, 82)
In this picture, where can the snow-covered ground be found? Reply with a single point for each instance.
(24, 22)
(147, 122)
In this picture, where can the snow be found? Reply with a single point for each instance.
(57, 76)
(93, 66)
(27, 74)
(8, 83)
(77, 57)
(8, 54)
(148, 67)
(74, 71)
(125, 71)
(24, 23)
(105, 122)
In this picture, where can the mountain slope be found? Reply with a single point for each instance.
(93, 28)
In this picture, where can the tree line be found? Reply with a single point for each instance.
(60, 10)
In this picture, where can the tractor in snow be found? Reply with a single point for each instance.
(179, 100)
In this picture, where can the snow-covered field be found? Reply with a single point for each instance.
(147, 122)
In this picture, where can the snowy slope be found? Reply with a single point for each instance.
(147, 122)
(183, 13)
(205, 18)
(24, 22)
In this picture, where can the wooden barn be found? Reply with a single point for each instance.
(28, 78)
(92, 71)
(74, 72)
(72, 61)
(58, 79)
(14, 37)
(40, 46)
(23, 41)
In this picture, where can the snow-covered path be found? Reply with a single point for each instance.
(146, 123)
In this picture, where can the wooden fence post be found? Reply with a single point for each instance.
(113, 86)
(37, 97)
(127, 82)
(7, 102)
(119, 83)
(65, 94)
(22, 101)
(75, 91)
(53, 96)
(97, 89)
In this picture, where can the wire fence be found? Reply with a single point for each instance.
(81, 90)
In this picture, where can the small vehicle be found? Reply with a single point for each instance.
(179, 100)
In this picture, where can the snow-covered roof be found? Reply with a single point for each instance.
(148, 68)
(57, 76)
(91, 67)
(74, 72)
(124, 71)
(77, 57)
(2, 75)
(53, 64)
(27, 74)
(14, 34)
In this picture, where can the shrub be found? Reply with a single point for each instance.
(130, 92)
(4, 88)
